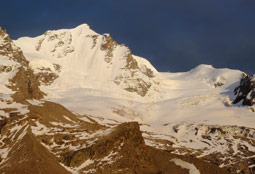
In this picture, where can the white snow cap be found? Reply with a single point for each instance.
(86, 58)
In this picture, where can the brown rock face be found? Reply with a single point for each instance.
(29, 156)
(141, 88)
(132, 70)
(245, 91)
(46, 76)
(8, 49)
(25, 85)
(131, 62)
(25, 146)
(162, 160)
(24, 82)
(126, 141)
(108, 46)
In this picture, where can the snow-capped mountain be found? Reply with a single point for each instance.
(75, 94)
(82, 58)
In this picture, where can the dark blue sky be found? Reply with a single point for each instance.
(174, 35)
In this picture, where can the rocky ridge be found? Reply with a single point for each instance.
(230, 147)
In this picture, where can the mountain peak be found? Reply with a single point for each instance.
(84, 28)
(80, 56)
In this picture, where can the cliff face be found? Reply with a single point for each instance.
(28, 155)
(23, 82)
(10, 50)
(245, 92)
(122, 150)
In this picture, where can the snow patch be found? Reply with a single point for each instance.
(76, 170)
(4, 153)
(40, 129)
(36, 102)
(191, 167)
(41, 64)
(63, 124)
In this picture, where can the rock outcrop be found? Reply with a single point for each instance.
(120, 151)
(245, 92)
(23, 83)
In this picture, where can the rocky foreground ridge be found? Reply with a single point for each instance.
(40, 136)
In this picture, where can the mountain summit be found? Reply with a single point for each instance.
(80, 57)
